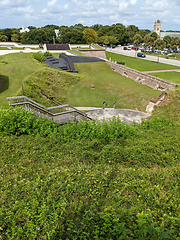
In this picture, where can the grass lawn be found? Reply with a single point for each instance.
(71, 88)
(77, 53)
(139, 64)
(14, 68)
(109, 86)
(169, 76)
(171, 55)
(4, 48)
(97, 47)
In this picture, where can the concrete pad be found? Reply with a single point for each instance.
(126, 116)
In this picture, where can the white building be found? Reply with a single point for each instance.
(22, 30)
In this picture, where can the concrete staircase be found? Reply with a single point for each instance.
(163, 97)
(60, 114)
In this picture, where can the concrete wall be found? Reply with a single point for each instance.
(142, 78)
(139, 77)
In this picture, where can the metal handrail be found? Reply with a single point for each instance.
(45, 109)
(49, 108)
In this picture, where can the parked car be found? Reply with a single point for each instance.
(112, 46)
(128, 48)
(140, 54)
(124, 48)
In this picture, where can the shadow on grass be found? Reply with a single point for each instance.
(4, 83)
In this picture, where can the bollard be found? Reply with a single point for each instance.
(114, 105)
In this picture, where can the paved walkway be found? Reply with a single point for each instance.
(172, 70)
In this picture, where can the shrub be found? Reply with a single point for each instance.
(18, 121)
(46, 54)
(38, 56)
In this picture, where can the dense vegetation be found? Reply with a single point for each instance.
(90, 181)
(86, 180)
(72, 34)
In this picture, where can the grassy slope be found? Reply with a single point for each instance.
(13, 69)
(75, 89)
(139, 64)
(109, 86)
(170, 110)
(50, 188)
(169, 76)
(53, 82)
(57, 189)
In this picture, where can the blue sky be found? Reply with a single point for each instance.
(38, 13)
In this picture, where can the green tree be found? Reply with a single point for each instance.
(132, 31)
(15, 37)
(72, 35)
(150, 41)
(90, 35)
(112, 40)
(7, 32)
(167, 40)
(96, 27)
(159, 44)
(4, 38)
(154, 35)
(175, 42)
(137, 40)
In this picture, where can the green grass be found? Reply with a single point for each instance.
(14, 68)
(77, 53)
(171, 109)
(169, 76)
(97, 47)
(71, 88)
(53, 82)
(170, 55)
(91, 181)
(109, 86)
(139, 64)
(4, 48)
(75, 89)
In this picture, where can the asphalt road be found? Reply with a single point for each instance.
(131, 53)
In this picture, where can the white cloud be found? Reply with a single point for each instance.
(141, 13)
(54, 8)
(133, 2)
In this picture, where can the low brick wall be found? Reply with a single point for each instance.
(100, 53)
(142, 78)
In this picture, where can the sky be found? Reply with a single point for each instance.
(141, 13)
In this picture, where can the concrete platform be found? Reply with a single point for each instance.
(125, 115)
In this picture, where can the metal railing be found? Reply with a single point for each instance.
(60, 114)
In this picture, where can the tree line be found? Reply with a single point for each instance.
(114, 34)
(79, 34)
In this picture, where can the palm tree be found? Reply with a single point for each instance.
(167, 40)
(150, 41)
(137, 40)
(175, 42)
(4, 38)
(159, 44)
